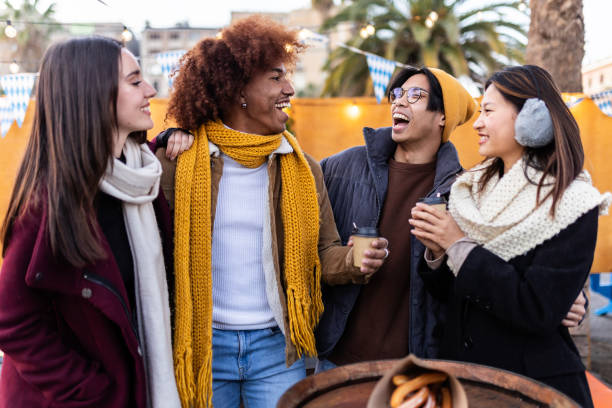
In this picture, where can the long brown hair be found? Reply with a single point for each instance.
(70, 145)
(563, 158)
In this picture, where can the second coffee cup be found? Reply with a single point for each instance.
(362, 240)
(436, 202)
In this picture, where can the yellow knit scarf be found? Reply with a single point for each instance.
(192, 253)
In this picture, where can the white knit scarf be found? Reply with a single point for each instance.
(136, 184)
(503, 218)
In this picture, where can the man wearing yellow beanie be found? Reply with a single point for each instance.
(377, 185)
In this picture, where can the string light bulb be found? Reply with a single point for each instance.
(10, 31)
(370, 29)
(433, 16)
(363, 33)
(429, 22)
(353, 111)
(126, 35)
(522, 6)
(14, 67)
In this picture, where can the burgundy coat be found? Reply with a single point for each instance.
(67, 333)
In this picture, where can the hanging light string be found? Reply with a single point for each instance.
(309, 36)
(305, 35)
(362, 52)
(11, 31)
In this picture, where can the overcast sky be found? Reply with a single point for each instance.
(216, 13)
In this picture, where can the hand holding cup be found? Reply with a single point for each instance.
(369, 250)
(434, 227)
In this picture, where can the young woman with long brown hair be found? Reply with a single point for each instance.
(519, 236)
(84, 317)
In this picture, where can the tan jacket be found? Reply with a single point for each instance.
(336, 260)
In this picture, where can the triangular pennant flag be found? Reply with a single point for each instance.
(570, 103)
(17, 88)
(168, 61)
(603, 100)
(380, 70)
(6, 115)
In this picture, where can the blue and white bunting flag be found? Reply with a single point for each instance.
(603, 100)
(168, 61)
(602, 284)
(17, 88)
(380, 70)
(6, 115)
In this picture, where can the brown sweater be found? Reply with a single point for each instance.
(378, 325)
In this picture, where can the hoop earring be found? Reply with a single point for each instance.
(243, 105)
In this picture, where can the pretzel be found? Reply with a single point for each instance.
(417, 399)
(414, 384)
(446, 398)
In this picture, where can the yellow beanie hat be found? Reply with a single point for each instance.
(459, 106)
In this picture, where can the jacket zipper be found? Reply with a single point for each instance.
(437, 186)
(98, 280)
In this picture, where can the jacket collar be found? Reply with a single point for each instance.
(380, 148)
(447, 167)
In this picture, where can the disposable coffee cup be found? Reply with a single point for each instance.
(436, 202)
(362, 239)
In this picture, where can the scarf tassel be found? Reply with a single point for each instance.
(183, 372)
(304, 316)
(204, 386)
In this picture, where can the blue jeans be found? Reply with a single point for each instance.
(324, 365)
(250, 365)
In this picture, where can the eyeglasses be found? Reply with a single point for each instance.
(413, 94)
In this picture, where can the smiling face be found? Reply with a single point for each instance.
(133, 96)
(265, 96)
(495, 127)
(412, 122)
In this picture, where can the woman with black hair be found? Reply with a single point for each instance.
(519, 238)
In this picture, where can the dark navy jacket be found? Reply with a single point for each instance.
(356, 181)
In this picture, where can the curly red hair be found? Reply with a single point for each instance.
(215, 70)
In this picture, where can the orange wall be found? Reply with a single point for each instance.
(327, 126)
(12, 149)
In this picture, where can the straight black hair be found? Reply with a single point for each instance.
(563, 158)
(435, 102)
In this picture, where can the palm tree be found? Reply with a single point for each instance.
(556, 41)
(437, 33)
(33, 36)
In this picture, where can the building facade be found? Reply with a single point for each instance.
(156, 40)
(597, 77)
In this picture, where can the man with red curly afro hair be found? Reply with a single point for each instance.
(254, 230)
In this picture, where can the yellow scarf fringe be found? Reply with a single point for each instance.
(193, 259)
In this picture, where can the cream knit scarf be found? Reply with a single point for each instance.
(503, 218)
(193, 230)
(136, 184)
